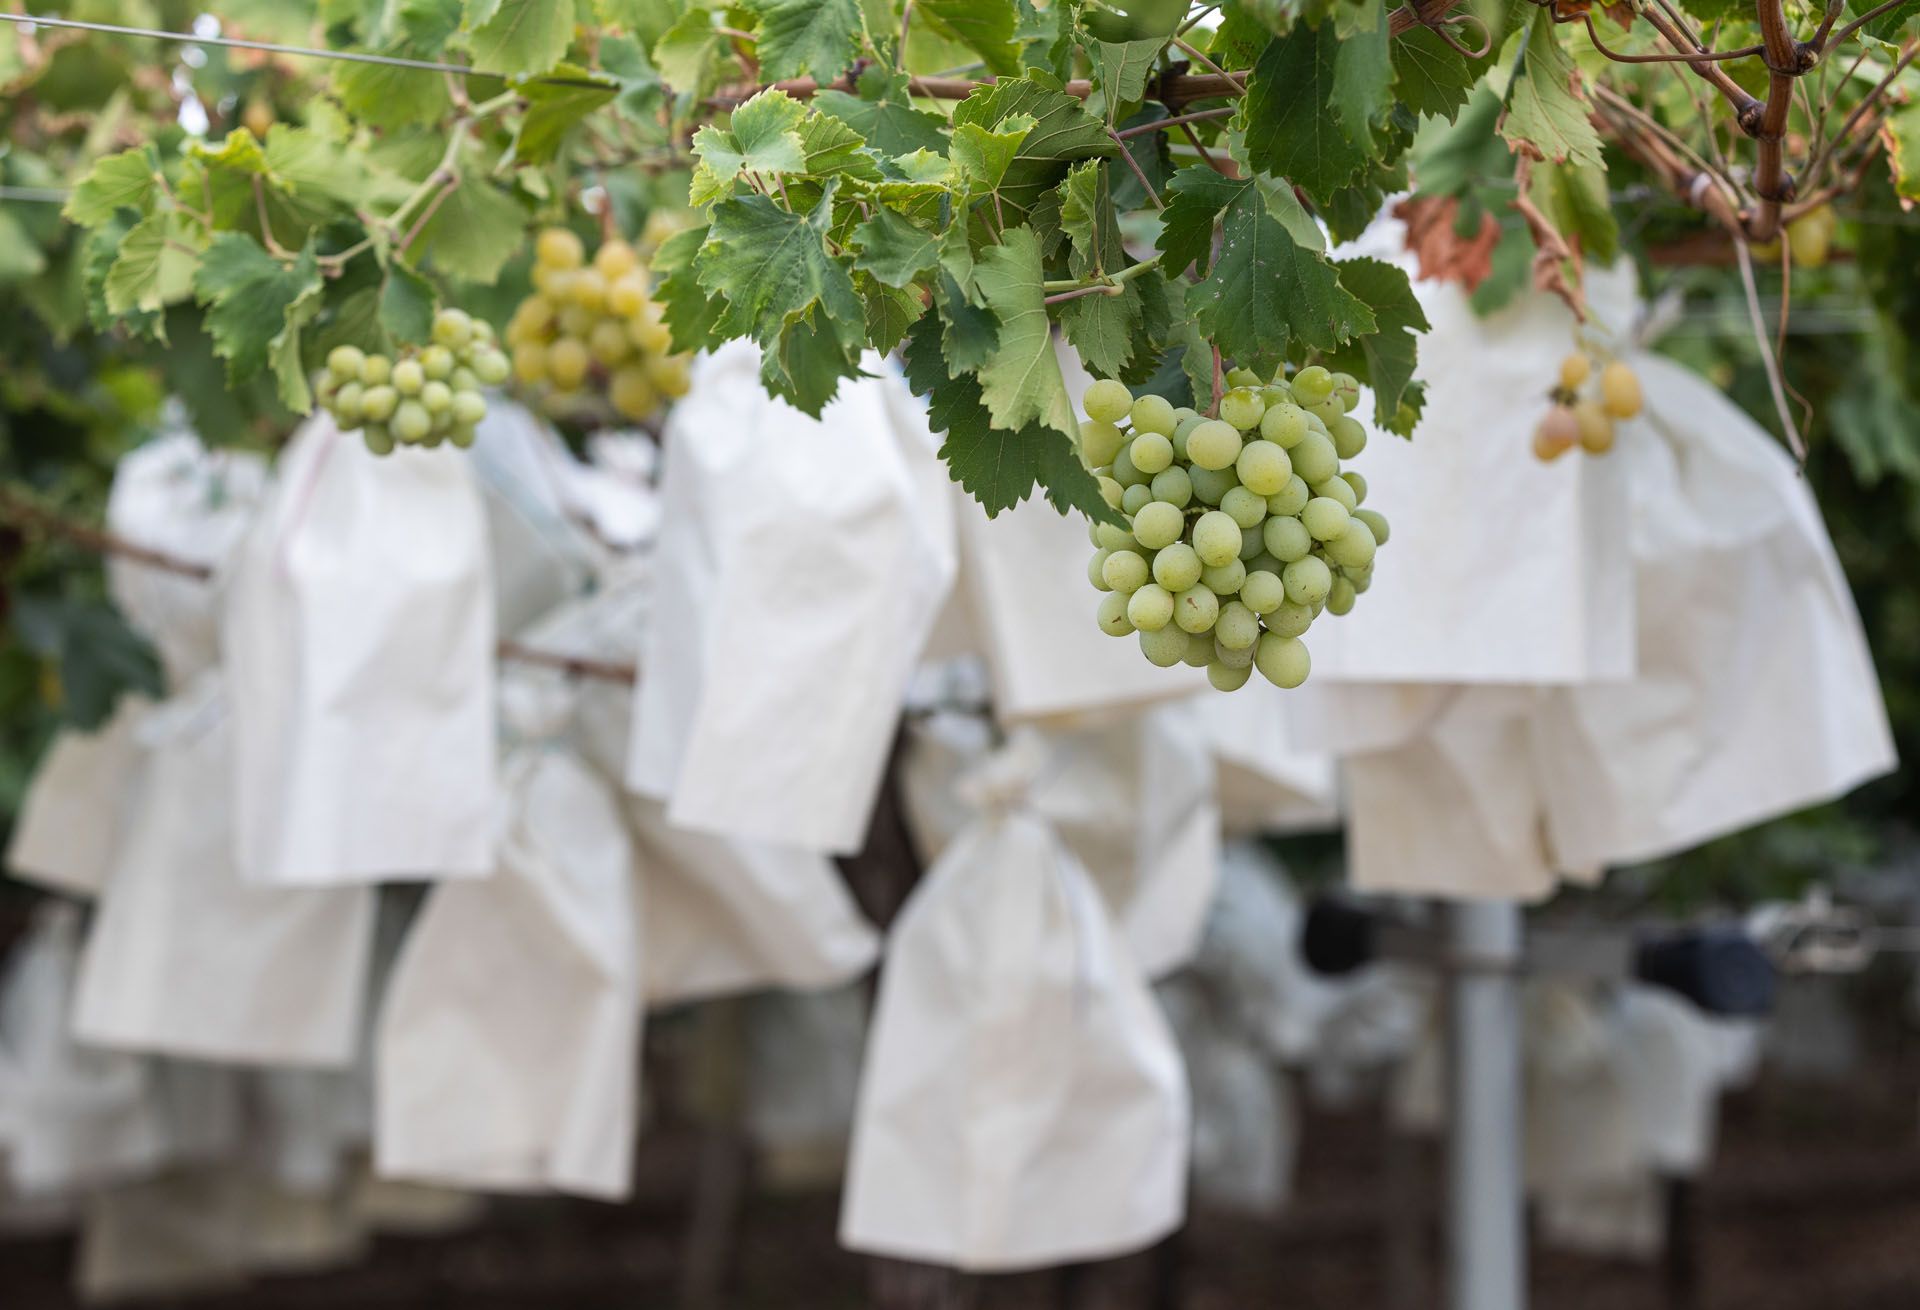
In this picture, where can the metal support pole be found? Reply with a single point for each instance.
(1486, 1222)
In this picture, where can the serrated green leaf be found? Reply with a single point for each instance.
(1132, 20)
(1886, 27)
(1122, 68)
(518, 36)
(1195, 196)
(1390, 351)
(311, 164)
(806, 38)
(20, 255)
(1363, 75)
(1266, 291)
(805, 365)
(1430, 77)
(246, 293)
(772, 266)
(625, 59)
(893, 250)
(1020, 382)
(122, 181)
(474, 232)
(1546, 112)
(1287, 127)
(383, 95)
(884, 118)
(554, 108)
(1576, 199)
(986, 27)
(155, 265)
(981, 157)
(283, 352)
(762, 136)
(102, 248)
(688, 54)
(407, 304)
(1062, 134)
(689, 312)
(832, 148)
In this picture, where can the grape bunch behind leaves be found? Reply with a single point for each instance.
(428, 395)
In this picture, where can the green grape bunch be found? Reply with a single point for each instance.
(1244, 528)
(428, 395)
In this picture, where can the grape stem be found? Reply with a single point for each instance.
(1074, 288)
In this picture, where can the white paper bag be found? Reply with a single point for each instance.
(801, 565)
(540, 554)
(185, 958)
(359, 641)
(508, 1049)
(1023, 1101)
(1272, 776)
(70, 820)
(1756, 692)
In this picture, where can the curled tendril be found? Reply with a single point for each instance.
(1439, 26)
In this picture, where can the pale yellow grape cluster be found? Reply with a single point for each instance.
(592, 327)
(1586, 421)
(1244, 528)
(426, 396)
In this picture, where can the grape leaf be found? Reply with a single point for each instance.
(1546, 113)
(1288, 129)
(1132, 20)
(772, 266)
(1575, 198)
(115, 182)
(882, 115)
(986, 27)
(1902, 133)
(890, 311)
(1063, 132)
(155, 265)
(625, 60)
(806, 38)
(1363, 78)
(689, 312)
(688, 54)
(805, 365)
(383, 95)
(553, 108)
(407, 302)
(761, 136)
(894, 250)
(831, 147)
(1888, 25)
(1101, 327)
(474, 232)
(1390, 352)
(283, 352)
(102, 248)
(981, 157)
(1430, 77)
(518, 36)
(312, 164)
(246, 293)
(1122, 68)
(1020, 382)
(20, 256)
(1195, 196)
(970, 333)
(1266, 291)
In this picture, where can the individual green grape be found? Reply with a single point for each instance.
(1213, 445)
(1276, 393)
(491, 366)
(1328, 411)
(567, 363)
(1211, 485)
(1263, 467)
(1151, 413)
(1112, 614)
(437, 362)
(1126, 571)
(376, 371)
(1096, 569)
(577, 321)
(1264, 562)
(1125, 473)
(1181, 431)
(1241, 376)
(1354, 547)
(1216, 537)
(463, 379)
(1282, 661)
(437, 397)
(1286, 538)
(376, 403)
(1107, 401)
(1252, 543)
(1312, 385)
(1290, 619)
(1290, 499)
(1164, 646)
(1340, 597)
(1356, 484)
(411, 423)
(1349, 436)
(1238, 626)
(1177, 567)
(608, 342)
(1232, 659)
(1245, 508)
(1346, 388)
(1112, 537)
(347, 405)
(1151, 453)
(1224, 579)
(1100, 441)
(1157, 524)
(1284, 424)
(1376, 524)
(1225, 677)
(1339, 489)
(1195, 609)
(1150, 607)
(1308, 580)
(462, 435)
(1111, 492)
(1314, 459)
(409, 377)
(1173, 486)
(1242, 407)
(469, 407)
(452, 328)
(345, 362)
(1263, 592)
(1360, 578)
(378, 439)
(1324, 517)
(556, 247)
(1199, 649)
(1136, 498)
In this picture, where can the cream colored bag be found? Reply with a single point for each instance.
(508, 1048)
(801, 564)
(71, 818)
(1023, 1102)
(359, 641)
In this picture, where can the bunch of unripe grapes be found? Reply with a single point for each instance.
(1586, 421)
(593, 325)
(428, 395)
(1242, 529)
